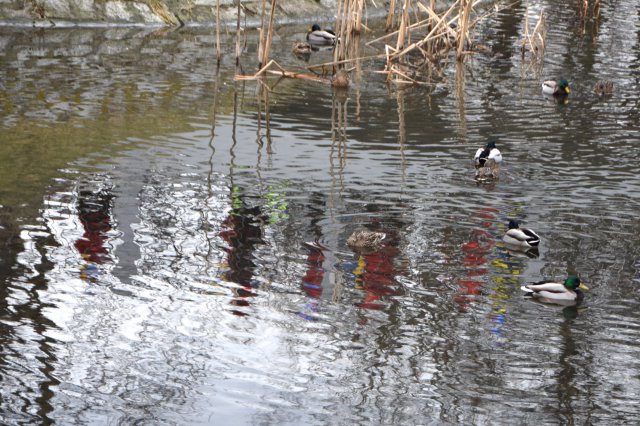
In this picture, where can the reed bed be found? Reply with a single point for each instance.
(438, 34)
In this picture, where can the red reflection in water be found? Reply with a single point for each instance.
(312, 280)
(94, 213)
(376, 273)
(475, 260)
(241, 231)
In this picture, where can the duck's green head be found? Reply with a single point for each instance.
(573, 283)
(315, 27)
(563, 85)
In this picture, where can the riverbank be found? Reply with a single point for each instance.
(98, 13)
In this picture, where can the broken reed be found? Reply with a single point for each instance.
(584, 9)
(218, 48)
(348, 26)
(445, 31)
(441, 36)
(534, 41)
(238, 49)
(464, 15)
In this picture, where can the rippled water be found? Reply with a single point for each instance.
(174, 242)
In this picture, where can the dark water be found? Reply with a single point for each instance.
(174, 241)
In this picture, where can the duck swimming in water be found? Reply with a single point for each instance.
(489, 152)
(301, 49)
(560, 88)
(362, 239)
(489, 172)
(563, 293)
(521, 237)
(340, 79)
(319, 37)
(487, 161)
(603, 87)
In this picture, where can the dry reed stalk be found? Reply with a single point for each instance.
(238, 50)
(267, 47)
(463, 25)
(345, 61)
(261, 35)
(596, 9)
(440, 21)
(443, 32)
(539, 35)
(357, 29)
(397, 73)
(218, 48)
(534, 41)
(404, 23)
(413, 26)
(281, 72)
(348, 26)
(337, 51)
(390, 15)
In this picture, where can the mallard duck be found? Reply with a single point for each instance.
(489, 172)
(567, 292)
(301, 48)
(362, 239)
(521, 237)
(320, 37)
(489, 152)
(560, 88)
(340, 79)
(603, 87)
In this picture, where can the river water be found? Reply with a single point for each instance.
(174, 241)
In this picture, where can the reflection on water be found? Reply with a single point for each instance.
(175, 241)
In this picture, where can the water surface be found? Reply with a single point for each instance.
(174, 241)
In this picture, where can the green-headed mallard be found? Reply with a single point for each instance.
(520, 237)
(319, 37)
(603, 87)
(563, 293)
(362, 239)
(560, 88)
